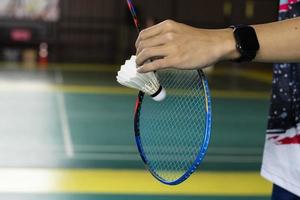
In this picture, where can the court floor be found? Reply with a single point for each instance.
(66, 133)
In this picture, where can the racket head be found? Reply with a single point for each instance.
(172, 136)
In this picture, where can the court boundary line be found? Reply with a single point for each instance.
(116, 90)
(63, 115)
(237, 159)
(132, 148)
(252, 74)
(108, 181)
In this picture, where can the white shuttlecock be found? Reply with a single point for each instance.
(146, 82)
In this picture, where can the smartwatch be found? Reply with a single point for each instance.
(246, 42)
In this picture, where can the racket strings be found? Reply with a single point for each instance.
(173, 131)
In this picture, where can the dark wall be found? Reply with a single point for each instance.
(211, 14)
(88, 30)
(102, 31)
(99, 26)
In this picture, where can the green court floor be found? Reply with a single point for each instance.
(77, 117)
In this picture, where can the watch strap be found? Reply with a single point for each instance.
(246, 54)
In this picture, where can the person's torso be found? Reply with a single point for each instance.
(285, 101)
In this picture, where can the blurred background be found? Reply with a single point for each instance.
(66, 126)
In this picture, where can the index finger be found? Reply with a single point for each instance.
(162, 63)
(148, 33)
(162, 27)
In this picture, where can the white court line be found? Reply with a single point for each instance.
(136, 157)
(131, 149)
(68, 144)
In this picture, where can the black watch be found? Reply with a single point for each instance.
(246, 42)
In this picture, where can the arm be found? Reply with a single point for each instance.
(180, 46)
(279, 41)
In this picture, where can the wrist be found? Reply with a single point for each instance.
(229, 50)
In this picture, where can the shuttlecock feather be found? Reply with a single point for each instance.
(146, 82)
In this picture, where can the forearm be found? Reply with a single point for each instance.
(279, 41)
(175, 45)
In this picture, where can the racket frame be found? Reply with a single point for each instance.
(203, 148)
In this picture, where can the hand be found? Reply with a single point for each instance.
(174, 45)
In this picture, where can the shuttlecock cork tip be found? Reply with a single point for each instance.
(160, 95)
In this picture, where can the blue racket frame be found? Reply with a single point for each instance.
(202, 149)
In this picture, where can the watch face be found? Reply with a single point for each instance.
(247, 39)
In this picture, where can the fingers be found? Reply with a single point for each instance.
(162, 27)
(157, 42)
(153, 52)
(148, 33)
(154, 41)
(163, 63)
(156, 64)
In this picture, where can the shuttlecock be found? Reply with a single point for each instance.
(147, 82)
